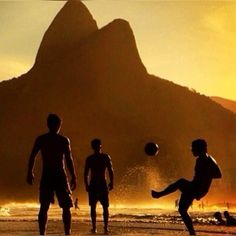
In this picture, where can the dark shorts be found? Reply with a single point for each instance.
(190, 189)
(49, 187)
(186, 187)
(64, 197)
(98, 194)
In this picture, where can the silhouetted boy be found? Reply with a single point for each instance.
(206, 169)
(97, 186)
(230, 220)
(54, 148)
(218, 217)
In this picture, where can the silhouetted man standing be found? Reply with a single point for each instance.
(206, 169)
(54, 149)
(97, 186)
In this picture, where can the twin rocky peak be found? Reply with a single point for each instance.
(74, 34)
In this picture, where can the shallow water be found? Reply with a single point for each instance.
(21, 219)
(28, 212)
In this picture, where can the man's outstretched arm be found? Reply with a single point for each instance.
(70, 165)
(34, 152)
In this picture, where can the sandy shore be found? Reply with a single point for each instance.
(55, 227)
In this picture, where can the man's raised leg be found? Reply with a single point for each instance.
(179, 184)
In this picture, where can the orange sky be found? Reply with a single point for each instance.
(192, 43)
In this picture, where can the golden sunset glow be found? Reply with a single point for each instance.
(118, 117)
(190, 43)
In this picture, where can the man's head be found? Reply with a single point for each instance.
(96, 145)
(226, 214)
(217, 215)
(54, 123)
(199, 147)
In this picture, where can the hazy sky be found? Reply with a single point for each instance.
(192, 43)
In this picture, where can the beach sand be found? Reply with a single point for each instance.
(55, 227)
(21, 219)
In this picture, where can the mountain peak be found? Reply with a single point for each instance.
(120, 21)
(122, 27)
(73, 23)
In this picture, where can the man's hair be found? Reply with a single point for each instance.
(226, 214)
(53, 120)
(200, 145)
(217, 214)
(95, 142)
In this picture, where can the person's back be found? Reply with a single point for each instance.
(206, 169)
(98, 163)
(54, 149)
(96, 184)
(53, 146)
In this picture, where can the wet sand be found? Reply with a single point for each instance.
(55, 227)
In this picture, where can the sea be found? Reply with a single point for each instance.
(137, 214)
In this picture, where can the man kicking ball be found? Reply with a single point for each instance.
(206, 169)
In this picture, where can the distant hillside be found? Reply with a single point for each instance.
(226, 103)
(95, 80)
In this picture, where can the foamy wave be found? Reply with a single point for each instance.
(4, 211)
(29, 212)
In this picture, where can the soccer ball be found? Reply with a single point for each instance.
(151, 149)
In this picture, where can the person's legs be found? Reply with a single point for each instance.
(93, 217)
(184, 203)
(66, 217)
(93, 199)
(105, 218)
(65, 201)
(178, 185)
(42, 217)
(46, 196)
(104, 200)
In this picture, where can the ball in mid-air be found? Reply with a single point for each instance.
(151, 149)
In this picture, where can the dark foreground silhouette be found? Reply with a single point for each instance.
(54, 148)
(206, 169)
(96, 184)
(219, 220)
(230, 220)
(76, 203)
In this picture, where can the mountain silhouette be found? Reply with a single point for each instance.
(95, 80)
(66, 32)
(226, 103)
